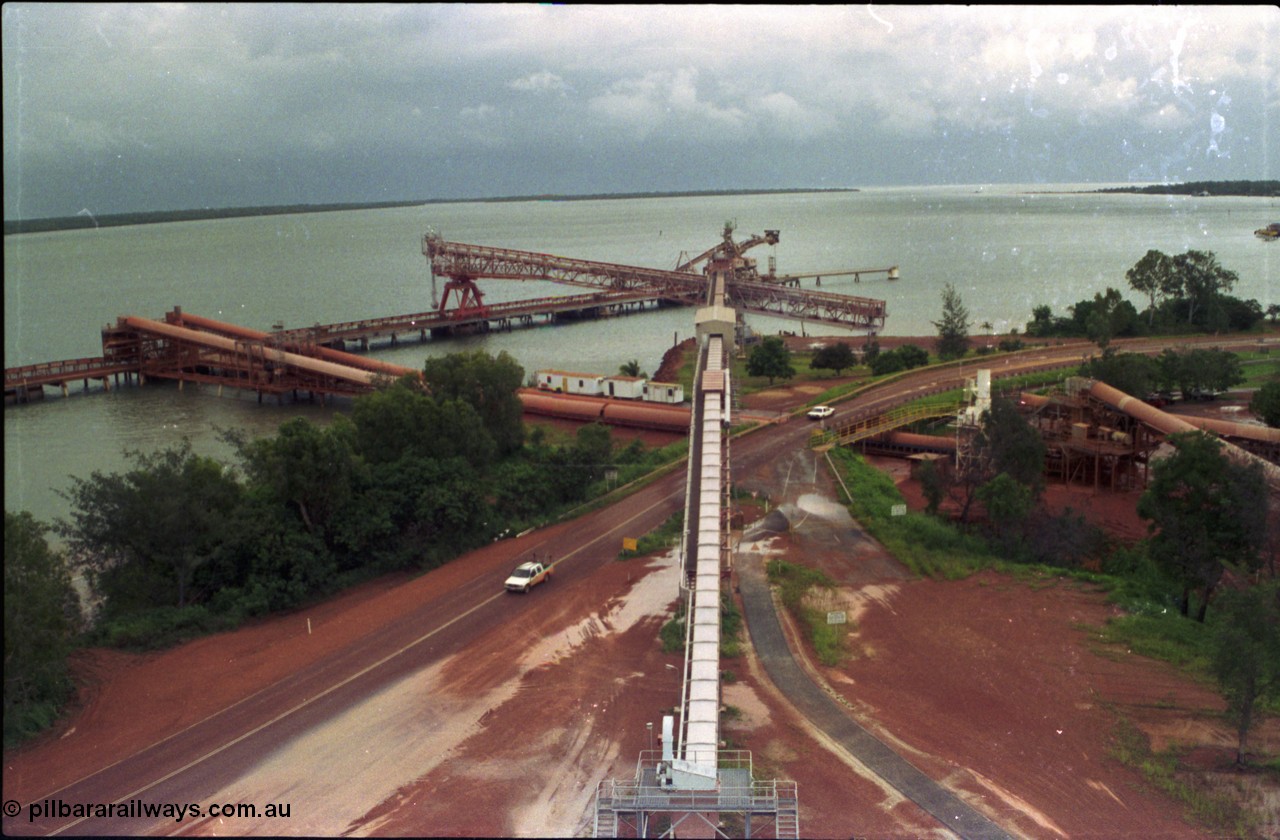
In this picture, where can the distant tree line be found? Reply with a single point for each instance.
(1255, 188)
(86, 220)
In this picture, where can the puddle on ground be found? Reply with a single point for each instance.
(815, 504)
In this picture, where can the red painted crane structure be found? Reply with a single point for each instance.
(746, 290)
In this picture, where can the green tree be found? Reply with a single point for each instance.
(1004, 443)
(490, 384)
(40, 614)
(1201, 278)
(1016, 448)
(314, 471)
(1265, 403)
(593, 450)
(912, 356)
(632, 368)
(1215, 369)
(1105, 317)
(906, 357)
(1238, 315)
(771, 358)
(1133, 373)
(1205, 512)
(1008, 503)
(888, 362)
(141, 535)
(402, 420)
(1065, 540)
(1151, 276)
(1198, 372)
(1042, 321)
(953, 329)
(837, 357)
(932, 484)
(1246, 655)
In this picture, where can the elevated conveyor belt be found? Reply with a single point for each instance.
(228, 350)
(1170, 424)
(185, 319)
(701, 729)
(694, 778)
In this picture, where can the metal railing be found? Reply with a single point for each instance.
(869, 426)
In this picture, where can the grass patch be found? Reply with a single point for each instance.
(1168, 636)
(1211, 807)
(26, 721)
(1258, 371)
(730, 628)
(161, 627)
(672, 634)
(924, 544)
(795, 584)
(661, 538)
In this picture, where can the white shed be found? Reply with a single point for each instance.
(664, 392)
(570, 382)
(624, 387)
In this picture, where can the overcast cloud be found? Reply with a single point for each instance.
(115, 108)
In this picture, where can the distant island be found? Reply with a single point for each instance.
(86, 220)
(1252, 188)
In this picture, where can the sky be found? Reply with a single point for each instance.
(120, 108)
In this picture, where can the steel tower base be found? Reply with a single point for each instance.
(738, 806)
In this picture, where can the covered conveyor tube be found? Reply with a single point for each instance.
(1170, 425)
(1225, 428)
(345, 373)
(185, 319)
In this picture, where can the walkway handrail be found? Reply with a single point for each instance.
(871, 425)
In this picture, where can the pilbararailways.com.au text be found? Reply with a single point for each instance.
(138, 809)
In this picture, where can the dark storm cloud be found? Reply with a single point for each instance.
(132, 107)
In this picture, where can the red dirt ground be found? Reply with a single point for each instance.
(990, 685)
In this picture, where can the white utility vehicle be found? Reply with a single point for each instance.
(527, 576)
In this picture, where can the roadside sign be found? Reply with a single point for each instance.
(628, 544)
(898, 510)
(837, 617)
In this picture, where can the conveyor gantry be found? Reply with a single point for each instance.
(462, 264)
(691, 777)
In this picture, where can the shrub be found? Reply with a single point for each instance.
(160, 627)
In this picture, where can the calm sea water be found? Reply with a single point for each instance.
(1005, 248)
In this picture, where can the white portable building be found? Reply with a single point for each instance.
(624, 387)
(664, 392)
(570, 382)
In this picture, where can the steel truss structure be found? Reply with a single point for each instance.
(745, 290)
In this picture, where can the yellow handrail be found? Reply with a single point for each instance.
(861, 428)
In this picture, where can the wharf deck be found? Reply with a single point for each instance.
(125, 358)
(500, 316)
(23, 383)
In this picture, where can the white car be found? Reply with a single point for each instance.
(821, 412)
(527, 576)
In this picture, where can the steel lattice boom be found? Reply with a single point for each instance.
(462, 264)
